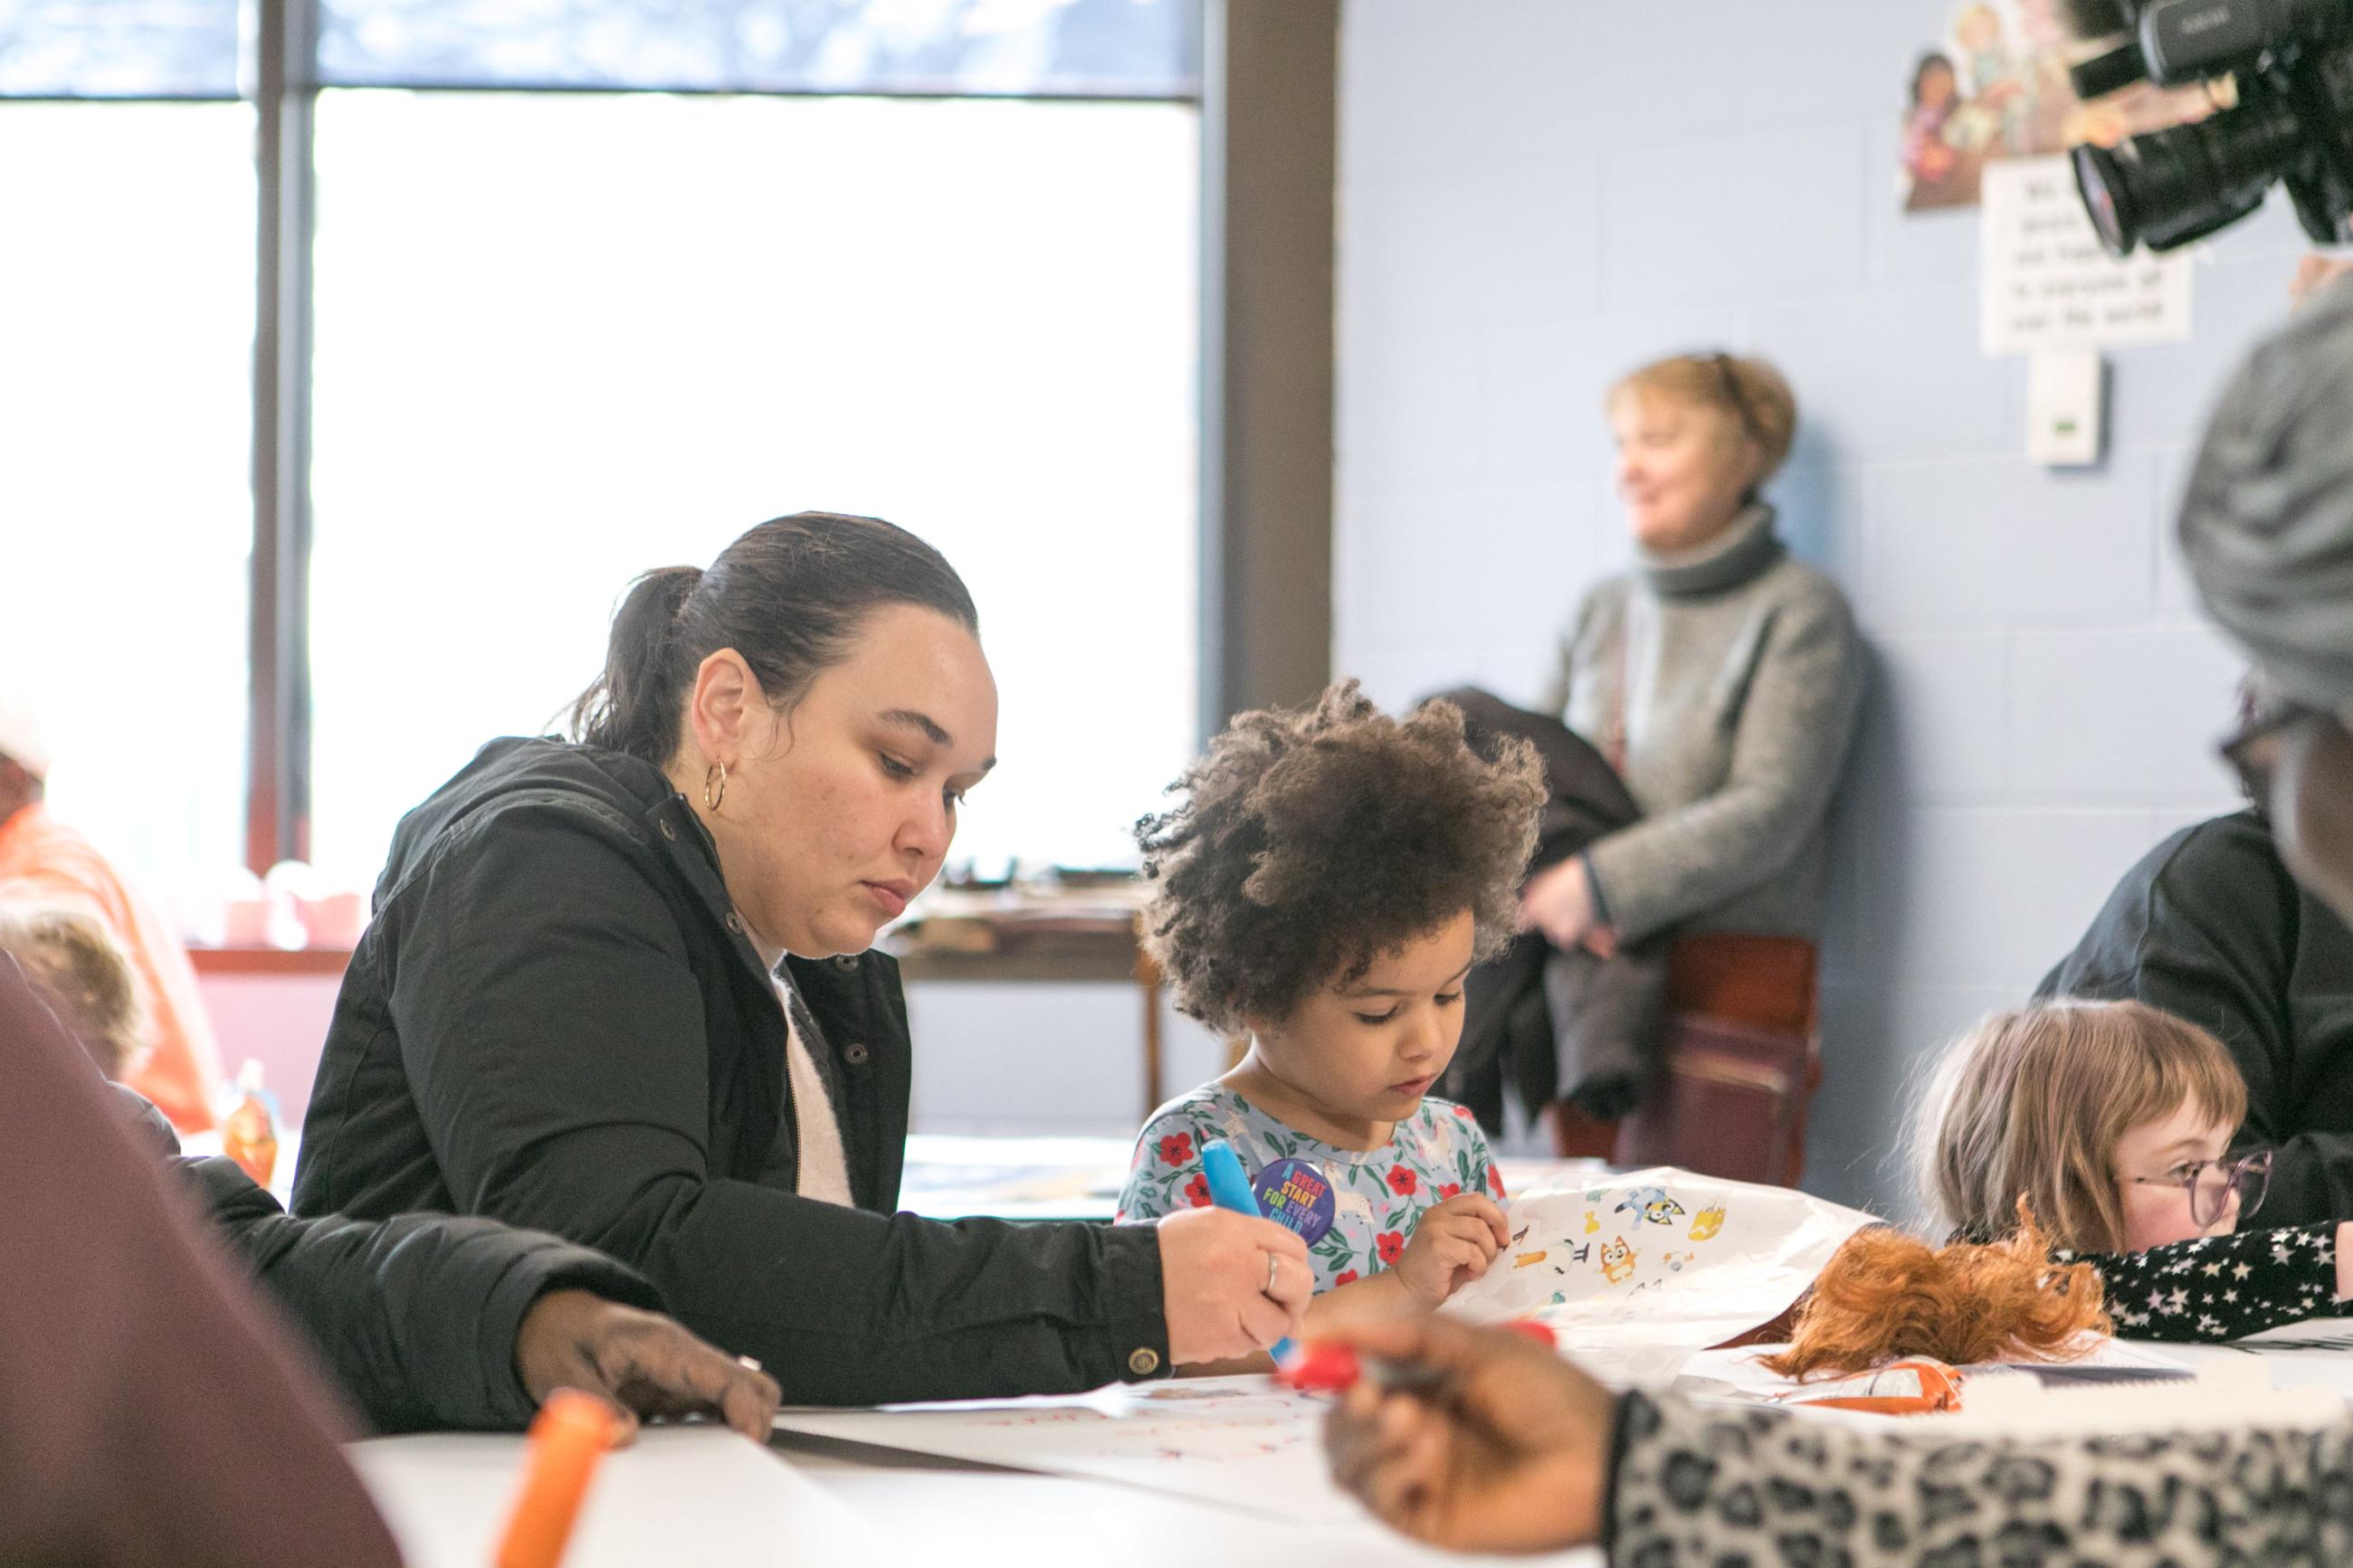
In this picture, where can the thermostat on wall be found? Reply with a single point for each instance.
(2066, 415)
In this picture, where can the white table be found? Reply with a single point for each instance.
(695, 1495)
(687, 1496)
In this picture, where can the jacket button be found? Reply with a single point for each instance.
(1143, 1362)
(668, 831)
(854, 1054)
(845, 961)
(735, 923)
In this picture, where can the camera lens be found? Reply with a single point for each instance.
(2172, 186)
(2100, 177)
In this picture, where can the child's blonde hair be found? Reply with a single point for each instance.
(75, 967)
(2033, 1101)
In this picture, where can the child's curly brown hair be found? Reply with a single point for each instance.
(1313, 840)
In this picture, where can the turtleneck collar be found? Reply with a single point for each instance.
(1741, 553)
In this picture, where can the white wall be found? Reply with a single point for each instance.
(1536, 195)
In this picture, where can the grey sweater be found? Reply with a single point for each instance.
(1732, 676)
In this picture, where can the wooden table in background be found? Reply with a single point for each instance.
(1079, 945)
(1064, 942)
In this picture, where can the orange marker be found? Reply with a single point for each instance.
(570, 1435)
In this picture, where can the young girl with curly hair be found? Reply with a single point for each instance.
(1328, 880)
(2114, 1122)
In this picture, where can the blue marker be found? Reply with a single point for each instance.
(1230, 1188)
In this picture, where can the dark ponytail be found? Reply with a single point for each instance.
(788, 595)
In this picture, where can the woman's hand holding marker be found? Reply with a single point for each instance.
(1233, 1285)
(1452, 1244)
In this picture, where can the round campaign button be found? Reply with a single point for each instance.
(1294, 1193)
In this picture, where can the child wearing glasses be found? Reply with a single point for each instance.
(2113, 1121)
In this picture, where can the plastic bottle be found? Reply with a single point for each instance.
(250, 1131)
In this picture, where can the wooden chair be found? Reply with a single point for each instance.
(1738, 1063)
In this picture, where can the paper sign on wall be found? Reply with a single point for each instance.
(2048, 285)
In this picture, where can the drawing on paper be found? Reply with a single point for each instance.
(1725, 1257)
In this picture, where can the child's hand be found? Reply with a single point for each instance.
(1452, 1244)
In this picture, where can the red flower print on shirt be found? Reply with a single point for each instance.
(1402, 1181)
(1176, 1149)
(1391, 1245)
(1463, 1111)
(1450, 1189)
(1494, 1182)
(1197, 1191)
(1346, 1276)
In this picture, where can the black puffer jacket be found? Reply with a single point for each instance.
(557, 1020)
(416, 1315)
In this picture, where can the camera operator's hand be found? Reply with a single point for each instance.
(1507, 1453)
(2314, 273)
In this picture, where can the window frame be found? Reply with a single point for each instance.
(1260, 502)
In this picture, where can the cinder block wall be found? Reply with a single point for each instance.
(1536, 195)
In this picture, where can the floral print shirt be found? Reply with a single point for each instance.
(1377, 1195)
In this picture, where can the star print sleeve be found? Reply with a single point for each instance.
(2219, 1287)
(1165, 1170)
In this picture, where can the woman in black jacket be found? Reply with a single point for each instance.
(619, 989)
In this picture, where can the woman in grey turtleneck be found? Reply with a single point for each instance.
(1720, 677)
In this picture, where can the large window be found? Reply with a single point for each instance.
(126, 520)
(561, 336)
(564, 338)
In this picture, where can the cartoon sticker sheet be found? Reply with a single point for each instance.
(1636, 1272)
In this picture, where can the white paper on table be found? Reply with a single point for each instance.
(2231, 1391)
(692, 1494)
(1737, 1373)
(1703, 1260)
(1245, 1441)
(1637, 1272)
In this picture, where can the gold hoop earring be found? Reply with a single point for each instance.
(711, 798)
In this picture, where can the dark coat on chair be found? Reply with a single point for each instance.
(1556, 1024)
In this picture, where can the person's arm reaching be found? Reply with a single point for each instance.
(1507, 1446)
(440, 1320)
(2222, 1287)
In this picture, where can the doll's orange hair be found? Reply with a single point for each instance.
(1886, 1295)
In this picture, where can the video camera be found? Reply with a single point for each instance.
(2292, 62)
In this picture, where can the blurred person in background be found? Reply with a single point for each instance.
(43, 861)
(1720, 678)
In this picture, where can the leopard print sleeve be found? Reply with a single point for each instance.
(1707, 1487)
